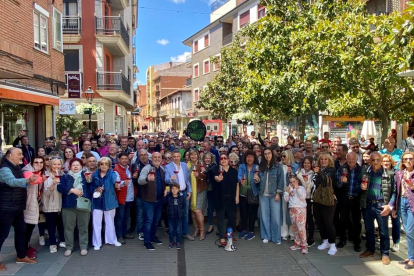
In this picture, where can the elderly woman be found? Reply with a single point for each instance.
(31, 214)
(207, 168)
(248, 212)
(199, 195)
(72, 186)
(287, 161)
(52, 205)
(104, 203)
(324, 214)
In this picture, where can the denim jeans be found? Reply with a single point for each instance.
(408, 222)
(152, 214)
(396, 227)
(185, 217)
(372, 213)
(139, 214)
(121, 219)
(270, 218)
(15, 219)
(175, 230)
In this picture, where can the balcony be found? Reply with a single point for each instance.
(119, 4)
(217, 4)
(227, 39)
(114, 86)
(163, 113)
(71, 26)
(110, 31)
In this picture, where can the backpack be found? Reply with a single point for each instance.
(409, 144)
(325, 194)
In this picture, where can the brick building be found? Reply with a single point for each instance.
(31, 68)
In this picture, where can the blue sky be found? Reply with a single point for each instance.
(162, 26)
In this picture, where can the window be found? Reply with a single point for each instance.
(206, 66)
(216, 65)
(261, 11)
(40, 32)
(196, 94)
(196, 46)
(71, 60)
(57, 30)
(206, 40)
(195, 71)
(244, 19)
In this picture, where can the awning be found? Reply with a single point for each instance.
(23, 95)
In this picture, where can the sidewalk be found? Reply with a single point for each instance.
(202, 258)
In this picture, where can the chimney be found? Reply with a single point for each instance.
(170, 64)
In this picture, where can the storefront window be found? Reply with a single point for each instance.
(13, 120)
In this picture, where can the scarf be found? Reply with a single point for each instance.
(78, 180)
(193, 186)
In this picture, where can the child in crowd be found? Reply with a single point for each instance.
(176, 209)
(295, 194)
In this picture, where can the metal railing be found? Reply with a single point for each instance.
(113, 81)
(111, 25)
(227, 39)
(217, 4)
(71, 25)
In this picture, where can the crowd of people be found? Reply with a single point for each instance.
(113, 189)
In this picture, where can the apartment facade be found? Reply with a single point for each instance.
(173, 110)
(99, 51)
(31, 68)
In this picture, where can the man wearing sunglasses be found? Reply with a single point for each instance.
(354, 146)
(389, 148)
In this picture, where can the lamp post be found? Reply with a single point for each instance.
(89, 94)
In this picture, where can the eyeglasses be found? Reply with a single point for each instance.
(168, 157)
(408, 159)
(355, 147)
(223, 158)
(83, 157)
(219, 141)
(102, 142)
(104, 164)
(37, 162)
(56, 157)
(325, 147)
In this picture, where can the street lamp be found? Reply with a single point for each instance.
(89, 94)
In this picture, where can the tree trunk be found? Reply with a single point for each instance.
(302, 127)
(385, 124)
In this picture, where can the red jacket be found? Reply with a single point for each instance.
(122, 192)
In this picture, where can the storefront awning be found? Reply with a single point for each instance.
(23, 95)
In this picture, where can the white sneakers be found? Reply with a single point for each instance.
(62, 245)
(332, 249)
(42, 240)
(324, 245)
(53, 248)
(117, 243)
(395, 247)
(265, 240)
(96, 248)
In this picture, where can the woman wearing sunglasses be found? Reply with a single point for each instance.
(226, 194)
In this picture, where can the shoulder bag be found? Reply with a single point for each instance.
(83, 204)
(324, 194)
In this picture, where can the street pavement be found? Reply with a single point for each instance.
(202, 258)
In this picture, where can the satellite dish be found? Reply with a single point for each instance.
(196, 130)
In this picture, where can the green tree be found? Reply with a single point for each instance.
(64, 122)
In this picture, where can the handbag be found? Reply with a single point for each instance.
(251, 198)
(83, 204)
(324, 194)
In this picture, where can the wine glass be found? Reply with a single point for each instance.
(201, 166)
(364, 183)
(314, 164)
(221, 170)
(152, 171)
(244, 177)
(256, 169)
(57, 174)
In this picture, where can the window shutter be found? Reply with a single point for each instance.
(244, 18)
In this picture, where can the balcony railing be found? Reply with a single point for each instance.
(113, 81)
(217, 4)
(111, 25)
(71, 25)
(227, 39)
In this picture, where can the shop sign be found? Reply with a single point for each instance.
(190, 114)
(196, 130)
(74, 86)
(67, 107)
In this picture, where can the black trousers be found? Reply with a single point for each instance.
(15, 219)
(53, 221)
(310, 224)
(228, 206)
(324, 216)
(347, 207)
(248, 214)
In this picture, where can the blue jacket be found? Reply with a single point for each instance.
(169, 171)
(108, 181)
(66, 183)
(276, 180)
(243, 171)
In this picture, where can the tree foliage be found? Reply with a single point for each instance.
(64, 122)
(301, 58)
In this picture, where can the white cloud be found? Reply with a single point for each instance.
(178, 1)
(180, 58)
(163, 41)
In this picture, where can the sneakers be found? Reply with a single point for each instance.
(84, 252)
(156, 241)
(250, 236)
(25, 260)
(141, 236)
(265, 240)
(188, 237)
(121, 240)
(295, 247)
(304, 250)
(311, 243)
(171, 246)
(167, 232)
(332, 249)
(62, 245)
(42, 240)
(96, 248)
(53, 249)
(68, 253)
(324, 245)
(285, 238)
(395, 247)
(242, 234)
(117, 243)
(149, 246)
(178, 246)
(129, 236)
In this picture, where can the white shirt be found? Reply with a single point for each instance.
(79, 155)
(180, 177)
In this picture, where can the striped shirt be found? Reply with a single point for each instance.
(375, 185)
